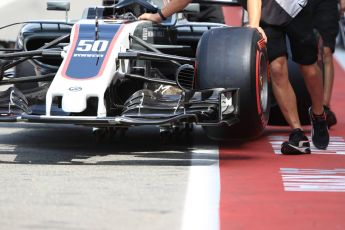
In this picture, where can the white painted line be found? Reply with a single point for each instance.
(201, 209)
(6, 2)
(312, 171)
(8, 157)
(313, 180)
(7, 148)
(7, 153)
(336, 145)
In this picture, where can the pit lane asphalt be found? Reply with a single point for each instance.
(58, 177)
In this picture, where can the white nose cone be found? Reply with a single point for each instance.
(74, 100)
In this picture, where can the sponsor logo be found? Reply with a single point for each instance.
(148, 34)
(145, 34)
(88, 55)
(75, 89)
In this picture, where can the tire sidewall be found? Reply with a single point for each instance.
(230, 58)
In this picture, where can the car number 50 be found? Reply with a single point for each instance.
(91, 45)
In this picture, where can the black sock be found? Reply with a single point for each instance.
(321, 116)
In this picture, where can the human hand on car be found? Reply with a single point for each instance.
(260, 30)
(254, 15)
(169, 9)
(151, 17)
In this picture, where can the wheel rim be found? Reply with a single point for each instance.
(263, 83)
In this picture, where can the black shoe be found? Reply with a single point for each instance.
(319, 131)
(298, 143)
(330, 117)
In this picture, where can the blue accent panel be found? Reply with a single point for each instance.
(87, 64)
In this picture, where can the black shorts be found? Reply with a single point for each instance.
(208, 13)
(326, 17)
(301, 36)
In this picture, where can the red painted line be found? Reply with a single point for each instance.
(253, 196)
(252, 190)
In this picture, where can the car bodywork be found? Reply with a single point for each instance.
(111, 70)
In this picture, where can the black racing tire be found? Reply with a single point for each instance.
(236, 58)
(2, 62)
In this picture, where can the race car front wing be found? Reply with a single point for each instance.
(145, 107)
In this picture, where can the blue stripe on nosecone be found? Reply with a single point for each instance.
(87, 64)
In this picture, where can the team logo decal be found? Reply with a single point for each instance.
(75, 89)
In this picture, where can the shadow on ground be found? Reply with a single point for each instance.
(73, 145)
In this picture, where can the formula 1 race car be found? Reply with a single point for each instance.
(110, 70)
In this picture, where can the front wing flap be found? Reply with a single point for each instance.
(206, 107)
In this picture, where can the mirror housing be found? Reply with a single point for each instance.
(58, 5)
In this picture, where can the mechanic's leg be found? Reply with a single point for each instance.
(298, 143)
(329, 75)
(284, 92)
(328, 85)
(313, 80)
(325, 20)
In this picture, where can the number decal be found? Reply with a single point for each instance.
(91, 45)
(84, 45)
(100, 46)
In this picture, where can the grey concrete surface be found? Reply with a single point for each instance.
(58, 177)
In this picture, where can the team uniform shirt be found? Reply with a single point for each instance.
(279, 12)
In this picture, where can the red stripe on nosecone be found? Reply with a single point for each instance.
(69, 57)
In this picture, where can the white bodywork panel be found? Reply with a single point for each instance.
(74, 91)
